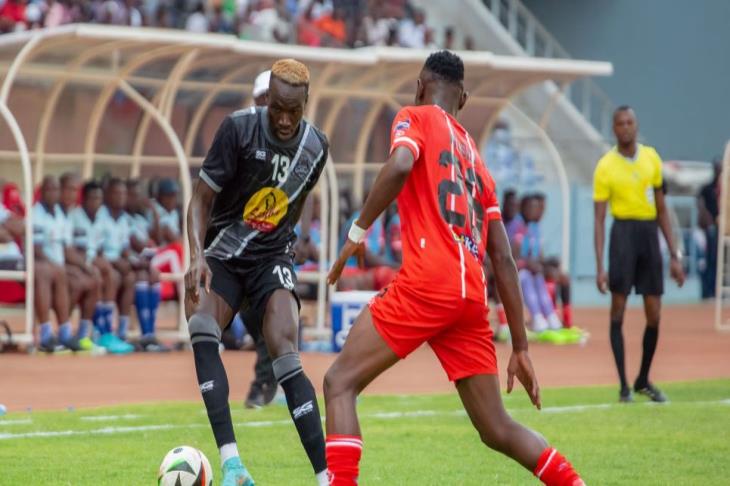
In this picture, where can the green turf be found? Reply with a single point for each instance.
(410, 440)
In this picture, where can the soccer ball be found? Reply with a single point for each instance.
(185, 466)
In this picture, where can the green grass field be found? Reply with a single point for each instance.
(409, 440)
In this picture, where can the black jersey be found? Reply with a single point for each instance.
(261, 183)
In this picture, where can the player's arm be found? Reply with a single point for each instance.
(386, 188)
(508, 287)
(599, 241)
(675, 267)
(219, 167)
(198, 218)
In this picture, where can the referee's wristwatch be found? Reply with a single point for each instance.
(677, 255)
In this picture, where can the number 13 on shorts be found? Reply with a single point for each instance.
(285, 276)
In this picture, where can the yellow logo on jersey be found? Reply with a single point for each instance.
(265, 209)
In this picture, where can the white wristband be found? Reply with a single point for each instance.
(356, 234)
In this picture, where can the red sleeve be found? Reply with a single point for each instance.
(407, 131)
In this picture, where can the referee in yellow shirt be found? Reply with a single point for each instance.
(629, 177)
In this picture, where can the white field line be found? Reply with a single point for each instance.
(15, 422)
(377, 415)
(110, 418)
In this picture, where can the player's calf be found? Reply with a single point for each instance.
(302, 403)
(212, 379)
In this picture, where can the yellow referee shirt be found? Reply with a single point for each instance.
(628, 184)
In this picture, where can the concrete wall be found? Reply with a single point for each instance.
(671, 62)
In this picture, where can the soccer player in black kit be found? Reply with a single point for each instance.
(241, 219)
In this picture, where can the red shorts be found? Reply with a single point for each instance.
(457, 330)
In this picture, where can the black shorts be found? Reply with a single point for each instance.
(634, 258)
(247, 285)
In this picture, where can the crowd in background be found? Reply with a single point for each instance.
(99, 246)
(332, 23)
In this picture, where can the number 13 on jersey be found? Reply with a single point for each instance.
(280, 165)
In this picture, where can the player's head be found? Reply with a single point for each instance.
(117, 190)
(91, 197)
(70, 185)
(529, 208)
(134, 196)
(50, 191)
(625, 125)
(510, 204)
(260, 91)
(442, 82)
(288, 94)
(167, 192)
(541, 203)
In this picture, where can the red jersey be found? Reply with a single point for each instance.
(445, 206)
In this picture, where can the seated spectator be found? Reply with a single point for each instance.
(557, 281)
(165, 209)
(198, 22)
(11, 232)
(12, 16)
(84, 279)
(449, 38)
(333, 28)
(58, 14)
(513, 224)
(527, 245)
(90, 227)
(166, 230)
(49, 240)
(139, 285)
(412, 30)
(267, 23)
(378, 270)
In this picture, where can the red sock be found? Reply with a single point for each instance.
(567, 315)
(554, 470)
(501, 315)
(343, 459)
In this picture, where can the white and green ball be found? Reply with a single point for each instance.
(185, 466)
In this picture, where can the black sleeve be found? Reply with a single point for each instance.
(320, 161)
(220, 164)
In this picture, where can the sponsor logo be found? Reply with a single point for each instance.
(469, 243)
(302, 170)
(303, 409)
(403, 124)
(207, 386)
(265, 209)
(399, 133)
(261, 155)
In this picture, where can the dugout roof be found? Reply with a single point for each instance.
(162, 70)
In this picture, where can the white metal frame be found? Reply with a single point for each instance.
(723, 244)
(378, 76)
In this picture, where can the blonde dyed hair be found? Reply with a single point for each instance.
(291, 72)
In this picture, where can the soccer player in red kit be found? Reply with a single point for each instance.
(450, 219)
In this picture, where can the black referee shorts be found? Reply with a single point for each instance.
(634, 258)
(247, 285)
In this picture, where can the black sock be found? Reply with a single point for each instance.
(302, 402)
(617, 345)
(651, 336)
(213, 384)
(565, 294)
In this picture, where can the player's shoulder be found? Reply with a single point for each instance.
(607, 159)
(650, 152)
(242, 120)
(319, 135)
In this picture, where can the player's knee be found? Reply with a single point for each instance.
(496, 436)
(287, 366)
(203, 328)
(129, 279)
(336, 383)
